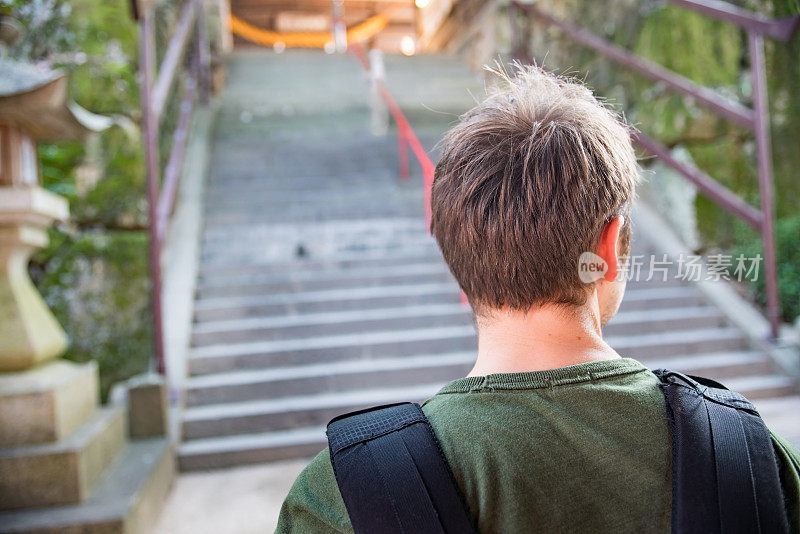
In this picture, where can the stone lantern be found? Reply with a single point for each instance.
(33, 108)
(66, 464)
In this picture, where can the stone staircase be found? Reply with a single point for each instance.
(320, 292)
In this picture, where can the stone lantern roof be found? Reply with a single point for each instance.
(33, 107)
(35, 99)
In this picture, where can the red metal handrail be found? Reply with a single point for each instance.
(755, 119)
(405, 138)
(155, 92)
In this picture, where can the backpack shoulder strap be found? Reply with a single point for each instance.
(725, 474)
(392, 474)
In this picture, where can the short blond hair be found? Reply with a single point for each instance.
(526, 182)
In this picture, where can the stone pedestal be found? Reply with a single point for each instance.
(46, 404)
(29, 334)
(66, 464)
(89, 479)
(147, 406)
(57, 443)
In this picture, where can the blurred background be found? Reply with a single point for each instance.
(213, 227)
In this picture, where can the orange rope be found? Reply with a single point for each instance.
(357, 33)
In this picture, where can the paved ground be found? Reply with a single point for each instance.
(252, 497)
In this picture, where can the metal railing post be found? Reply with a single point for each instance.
(379, 114)
(428, 172)
(402, 155)
(339, 28)
(765, 186)
(519, 48)
(203, 55)
(147, 67)
(156, 85)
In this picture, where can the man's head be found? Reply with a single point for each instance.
(529, 180)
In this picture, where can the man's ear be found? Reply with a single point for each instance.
(608, 248)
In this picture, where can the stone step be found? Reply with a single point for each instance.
(370, 345)
(321, 324)
(431, 274)
(240, 386)
(230, 180)
(312, 152)
(125, 501)
(285, 251)
(635, 299)
(367, 346)
(355, 194)
(221, 274)
(212, 453)
(336, 234)
(228, 169)
(633, 322)
(231, 451)
(393, 228)
(310, 213)
(227, 165)
(63, 472)
(763, 386)
(235, 193)
(325, 301)
(719, 366)
(409, 317)
(663, 344)
(295, 280)
(277, 200)
(333, 275)
(281, 210)
(257, 417)
(291, 412)
(221, 186)
(648, 298)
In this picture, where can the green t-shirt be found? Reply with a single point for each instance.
(574, 449)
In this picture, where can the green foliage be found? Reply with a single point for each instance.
(715, 54)
(106, 81)
(56, 164)
(46, 24)
(709, 52)
(787, 233)
(118, 199)
(669, 32)
(96, 284)
(783, 68)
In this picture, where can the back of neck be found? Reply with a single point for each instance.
(543, 338)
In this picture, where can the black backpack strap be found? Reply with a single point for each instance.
(725, 474)
(392, 474)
